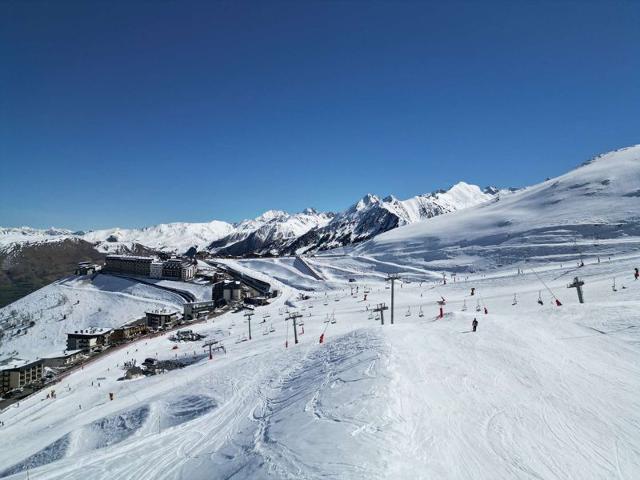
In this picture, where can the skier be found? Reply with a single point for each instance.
(474, 324)
(636, 273)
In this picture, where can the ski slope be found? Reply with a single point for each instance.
(593, 210)
(538, 392)
(38, 323)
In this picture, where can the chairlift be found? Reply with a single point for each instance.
(333, 318)
(540, 302)
(613, 287)
(515, 299)
(408, 314)
(272, 329)
(478, 306)
(370, 316)
(421, 313)
(464, 305)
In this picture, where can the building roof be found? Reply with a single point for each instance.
(129, 257)
(63, 354)
(15, 364)
(90, 332)
(163, 311)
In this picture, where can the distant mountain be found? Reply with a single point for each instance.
(170, 237)
(273, 233)
(269, 233)
(371, 216)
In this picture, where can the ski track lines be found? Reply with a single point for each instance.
(534, 394)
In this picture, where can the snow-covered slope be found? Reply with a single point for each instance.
(538, 391)
(38, 323)
(592, 210)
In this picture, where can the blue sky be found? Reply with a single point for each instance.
(136, 113)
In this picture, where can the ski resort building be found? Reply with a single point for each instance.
(63, 359)
(86, 268)
(161, 319)
(20, 375)
(196, 309)
(88, 340)
(178, 268)
(155, 270)
(129, 332)
(174, 268)
(227, 291)
(128, 264)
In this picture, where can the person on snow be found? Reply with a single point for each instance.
(636, 273)
(474, 324)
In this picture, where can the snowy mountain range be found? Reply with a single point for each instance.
(274, 232)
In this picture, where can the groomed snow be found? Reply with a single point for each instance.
(538, 392)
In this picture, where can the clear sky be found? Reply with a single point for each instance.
(135, 113)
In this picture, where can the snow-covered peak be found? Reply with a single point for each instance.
(462, 195)
(178, 237)
(366, 202)
(270, 215)
(11, 237)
